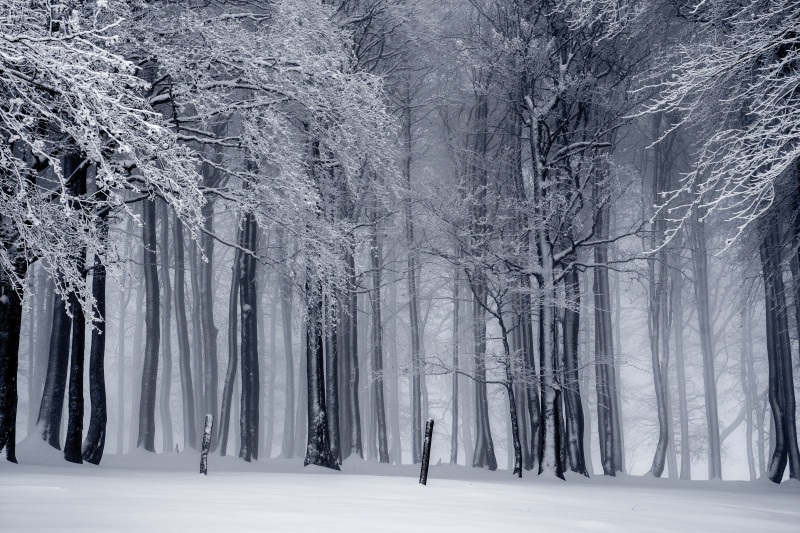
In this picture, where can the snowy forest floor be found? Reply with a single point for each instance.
(143, 492)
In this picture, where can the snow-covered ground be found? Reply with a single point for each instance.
(153, 493)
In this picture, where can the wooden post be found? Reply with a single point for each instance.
(206, 444)
(426, 452)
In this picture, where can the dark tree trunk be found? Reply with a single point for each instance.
(10, 328)
(209, 329)
(779, 357)
(332, 380)
(604, 359)
(484, 456)
(233, 349)
(184, 353)
(354, 408)
(572, 395)
(166, 328)
(51, 408)
(454, 399)
(73, 165)
(248, 296)
(94, 443)
(285, 287)
(318, 450)
(147, 405)
(198, 381)
(376, 383)
(72, 443)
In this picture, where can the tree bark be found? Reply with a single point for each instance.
(248, 297)
(147, 405)
(166, 327)
(683, 407)
(51, 408)
(376, 384)
(318, 451)
(94, 443)
(700, 270)
(571, 389)
(10, 329)
(233, 349)
(454, 400)
(285, 287)
(779, 358)
(184, 350)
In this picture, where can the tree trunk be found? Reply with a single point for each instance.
(285, 288)
(318, 451)
(413, 304)
(209, 329)
(147, 405)
(10, 329)
(123, 306)
(196, 352)
(269, 373)
(376, 384)
(454, 400)
(700, 270)
(683, 407)
(572, 395)
(166, 327)
(52, 406)
(353, 402)
(184, 353)
(233, 350)
(779, 357)
(332, 379)
(248, 297)
(483, 456)
(94, 443)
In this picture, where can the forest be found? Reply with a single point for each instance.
(568, 231)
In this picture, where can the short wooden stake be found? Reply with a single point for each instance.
(206, 444)
(426, 452)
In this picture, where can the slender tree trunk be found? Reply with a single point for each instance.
(377, 389)
(683, 407)
(74, 436)
(166, 327)
(512, 404)
(184, 353)
(10, 329)
(94, 443)
(209, 329)
(700, 270)
(51, 408)
(248, 296)
(198, 373)
(147, 405)
(748, 400)
(454, 425)
(269, 375)
(44, 324)
(332, 380)
(121, 343)
(413, 304)
(353, 402)
(484, 456)
(136, 371)
(571, 390)
(233, 350)
(285, 287)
